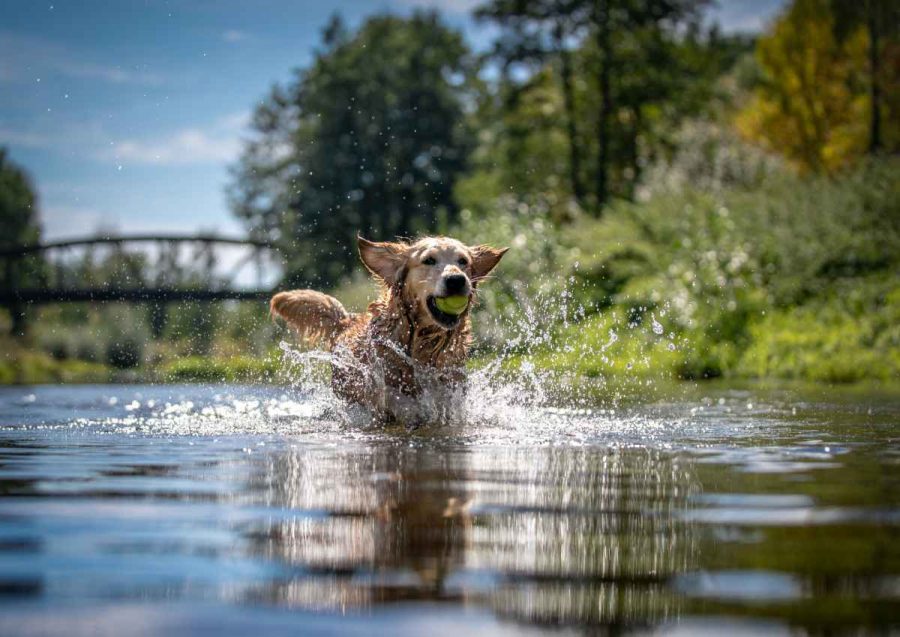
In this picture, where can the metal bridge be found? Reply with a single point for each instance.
(135, 268)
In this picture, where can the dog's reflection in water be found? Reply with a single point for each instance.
(388, 527)
(541, 535)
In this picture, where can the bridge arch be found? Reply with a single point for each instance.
(174, 267)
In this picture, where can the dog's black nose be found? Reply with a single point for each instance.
(455, 283)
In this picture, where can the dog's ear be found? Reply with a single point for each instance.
(383, 259)
(485, 259)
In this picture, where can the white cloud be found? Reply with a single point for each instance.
(22, 58)
(445, 6)
(113, 74)
(26, 139)
(218, 143)
(46, 132)
(234, 35)
(60, 221)
(189, 146)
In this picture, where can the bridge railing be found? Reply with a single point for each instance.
(161, 274)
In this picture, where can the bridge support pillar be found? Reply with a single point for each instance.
(18, 324)
(158, 315)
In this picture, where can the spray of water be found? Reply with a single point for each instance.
(512, 395)
(505, 387)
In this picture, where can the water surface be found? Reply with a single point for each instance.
(237, 510)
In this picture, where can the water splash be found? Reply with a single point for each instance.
(512, 394)
(508, 386)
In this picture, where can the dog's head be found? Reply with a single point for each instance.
(430, 271)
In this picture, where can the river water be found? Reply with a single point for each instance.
(234, 510)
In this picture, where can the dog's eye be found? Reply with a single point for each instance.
(462, 261)
(429, 261)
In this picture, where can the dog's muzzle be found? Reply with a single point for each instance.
(456, 284)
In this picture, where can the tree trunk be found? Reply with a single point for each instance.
(571, 126)
(633, 152)
(405, 220)
(605, 48)
(875, 86)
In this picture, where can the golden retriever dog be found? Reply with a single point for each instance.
(415, 336)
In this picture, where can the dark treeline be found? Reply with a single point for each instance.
(620, 66)
(370, 138)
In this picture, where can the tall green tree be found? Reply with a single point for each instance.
(370, 138)
(538, 33)
(880, 21)
(811, 105)
(18, 214)
(18, 227)
(618, 61)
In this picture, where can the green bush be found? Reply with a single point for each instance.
(851, 334)
(23, 366)
(765, 274)
(124, 351)
(200, 369)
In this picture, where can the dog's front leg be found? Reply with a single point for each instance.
(450, 396)
(405, 409)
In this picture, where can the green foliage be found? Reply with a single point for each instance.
(710, 158)
(124, 352)
(369, 138)
(820, 101)
(778, 280)
(18, 214)
(19, 365)
(243, 328)
(591, 90)
(851, 333)
(522, 146)
(880, 21)
(235, 369)
(18, 226)
(194, 325)
(81, 343)
(112, 334)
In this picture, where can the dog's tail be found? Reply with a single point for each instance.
(318, 318)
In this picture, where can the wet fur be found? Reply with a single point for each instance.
(383, 355)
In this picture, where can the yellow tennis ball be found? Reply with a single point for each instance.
(452, 304)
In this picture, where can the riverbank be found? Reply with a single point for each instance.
(23, 366)
(779, 276)
(832, 352)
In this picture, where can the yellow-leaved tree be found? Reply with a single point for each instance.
(812, 105)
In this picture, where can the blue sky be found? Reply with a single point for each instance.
(127, 113)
